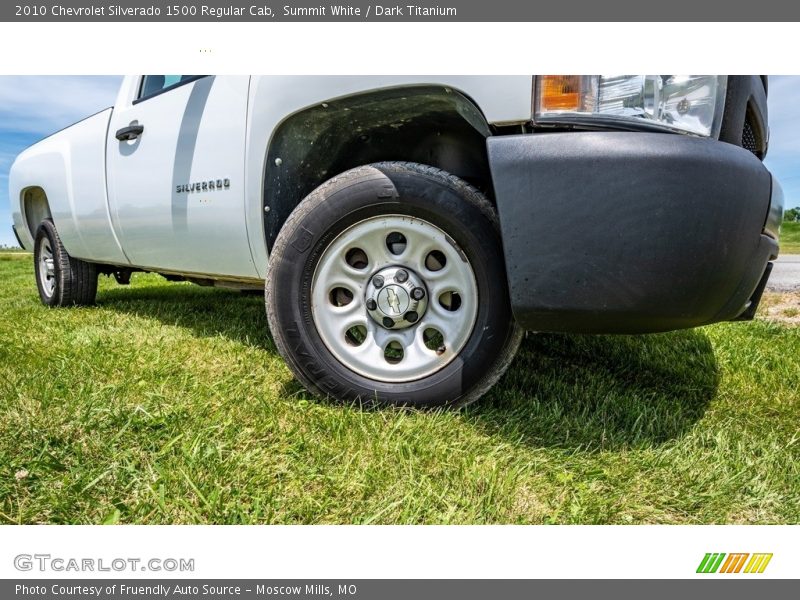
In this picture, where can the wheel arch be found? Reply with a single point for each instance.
(429, 124)
(35, 208)
(39, 189)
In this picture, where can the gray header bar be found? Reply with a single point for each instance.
(403, 10)
(397, 589)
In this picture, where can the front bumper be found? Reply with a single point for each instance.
(620, 232)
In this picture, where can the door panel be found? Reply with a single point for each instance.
(177, 189)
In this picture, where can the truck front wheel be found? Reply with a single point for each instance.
(387, 286)
(61, 279)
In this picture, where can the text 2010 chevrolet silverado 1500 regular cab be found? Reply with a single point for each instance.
(409, 229)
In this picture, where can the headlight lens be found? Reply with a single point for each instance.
(685, 103)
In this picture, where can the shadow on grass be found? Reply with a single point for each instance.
(595, 393)
(566, 391)
(204, 311)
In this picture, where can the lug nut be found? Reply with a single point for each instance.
(388, 323)
(412, 316)
(401, 276)
(371, 304)
(377, 281)
(418, 293)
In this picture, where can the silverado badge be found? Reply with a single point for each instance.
(203, 186)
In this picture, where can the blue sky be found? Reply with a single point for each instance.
(783, 158)
(32, 107)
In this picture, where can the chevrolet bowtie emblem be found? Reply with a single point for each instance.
(393, 300)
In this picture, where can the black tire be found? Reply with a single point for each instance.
(447, 202)
(75, 281)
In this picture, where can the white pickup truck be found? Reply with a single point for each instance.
(409, 229)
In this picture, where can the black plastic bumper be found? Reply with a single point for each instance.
(630, 232)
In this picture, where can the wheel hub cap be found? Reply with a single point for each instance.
(47, 271)
(396, 297)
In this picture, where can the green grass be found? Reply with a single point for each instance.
(13, 253)
(167, 403)
(790, 238)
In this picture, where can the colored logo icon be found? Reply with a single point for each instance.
(719, 562)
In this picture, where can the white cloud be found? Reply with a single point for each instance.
(784, 117)
(43, 105)
(783, 158)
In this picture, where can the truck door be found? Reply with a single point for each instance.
(176, 174)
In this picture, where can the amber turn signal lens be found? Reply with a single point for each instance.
(560, 92)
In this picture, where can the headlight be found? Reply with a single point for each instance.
(685, 103)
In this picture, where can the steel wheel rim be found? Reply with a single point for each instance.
(47, 272)
(375, 354)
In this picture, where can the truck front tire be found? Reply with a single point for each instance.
(387, 286)
(61, 279)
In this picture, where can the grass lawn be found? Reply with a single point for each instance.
(790, 238)
(167, 403)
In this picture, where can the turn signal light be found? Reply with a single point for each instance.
(560, 92)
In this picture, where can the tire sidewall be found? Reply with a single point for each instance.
(402, 192)
(46, 231)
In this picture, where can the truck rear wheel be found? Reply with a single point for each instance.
(387, 286)
(61, 279)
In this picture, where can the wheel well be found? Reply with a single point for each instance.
(432, 125)
(35, 208)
